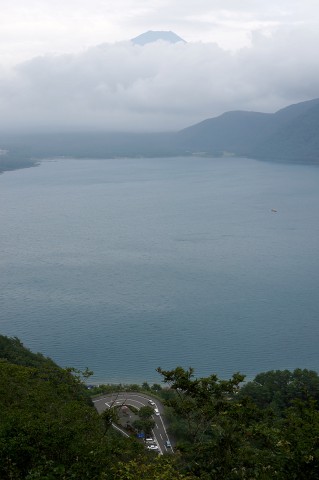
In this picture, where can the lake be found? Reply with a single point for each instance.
(124, 265)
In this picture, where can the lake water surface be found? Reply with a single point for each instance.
(124, 265)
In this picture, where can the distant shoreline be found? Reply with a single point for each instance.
(8, 165)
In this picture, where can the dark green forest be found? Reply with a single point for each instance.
(222, 429)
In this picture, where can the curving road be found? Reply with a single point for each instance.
(138, 400)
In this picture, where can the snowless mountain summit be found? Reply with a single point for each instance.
(153, 36)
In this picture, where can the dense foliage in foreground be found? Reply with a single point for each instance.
(224, 434)
(49, 429)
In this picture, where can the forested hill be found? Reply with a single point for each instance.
(13, 351)
(291, 134)
(296, 137)
(49, 430)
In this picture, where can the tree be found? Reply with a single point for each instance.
(301, 441)
(146, 412)
(156, 387)
(223, 439)
(198, 400)
(227, 436)
(278, 389)
(109, 416)
(157, 468)
(49, 428)
(144, 423)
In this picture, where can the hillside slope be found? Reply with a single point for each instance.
(291, 134)
(232, 131)
(50, 430)
(294, 141)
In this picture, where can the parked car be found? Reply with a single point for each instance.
(151, 402)
(156, 411)
(168, 444)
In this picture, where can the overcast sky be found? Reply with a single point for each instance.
(70, 64)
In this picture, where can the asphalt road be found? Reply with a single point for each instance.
(138, 400)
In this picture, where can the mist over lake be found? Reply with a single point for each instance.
(124, 265)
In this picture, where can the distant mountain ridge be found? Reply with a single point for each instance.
(153, 36)
(291, 134)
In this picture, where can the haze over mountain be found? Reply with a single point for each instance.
(289, 135)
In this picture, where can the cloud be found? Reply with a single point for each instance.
(159, 86)
(39, 27)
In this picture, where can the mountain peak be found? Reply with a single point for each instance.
(154, 36)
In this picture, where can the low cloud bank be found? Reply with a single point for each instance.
(159, 86)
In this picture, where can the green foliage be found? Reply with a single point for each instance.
(144, 423)
(49, 430)
(48, 426)
(42, 419)
(104, 389)
(145, 412)
(133, 409)
(109, 416)
(301, 441)
(223, 435)
(156, 387)
(278, 389)
(158, 469)
(12, 350)
(197, 401)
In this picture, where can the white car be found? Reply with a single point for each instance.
(156, 411)
(152, 447)
(151, 402)
(149, 439)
